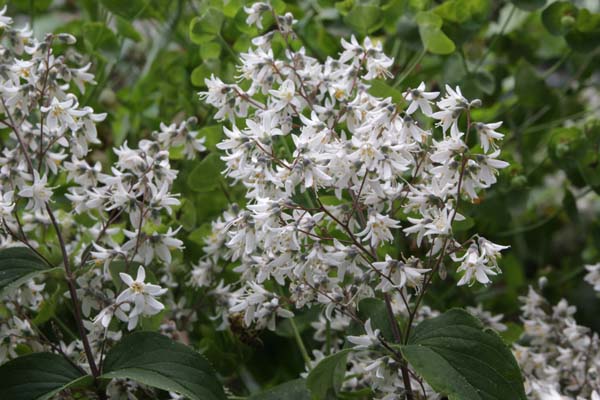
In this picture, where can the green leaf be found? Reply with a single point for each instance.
(204, 28)
(126, 29)
(585, 34)
(529, 5)
(380, 88)
(207, 174)
(127, 9)
(38, 376)
(328, 375)
(458, 357)
(157, 361)
(552, 17)
(18, 265)
(292, 390)
(199, 74)
(364, 18)
(98, 36)
(432, 36)
(461, 11)
(213, 135)
(210, 50)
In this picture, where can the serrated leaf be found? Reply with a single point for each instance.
(18, 265)
(292, 390)
(328, 375)
(461, 359)
(432, 36)
(38, 376)
(157, 361)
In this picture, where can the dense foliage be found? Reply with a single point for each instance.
(299, 200)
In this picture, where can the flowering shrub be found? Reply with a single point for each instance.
(350, 201)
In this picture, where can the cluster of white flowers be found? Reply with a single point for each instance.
(104, 219)
(334, 177)
(560, 359)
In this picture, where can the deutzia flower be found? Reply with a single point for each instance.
(38, 193)
(593, 276)
(370, 338)
(142, 295)
(488, 135)
(475, 268)
(420, 99)
(255, 12)
(378, 228)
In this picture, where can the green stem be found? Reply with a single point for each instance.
(300, 343)
(414, 62)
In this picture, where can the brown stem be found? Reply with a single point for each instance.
(398, 338)
(74, 298)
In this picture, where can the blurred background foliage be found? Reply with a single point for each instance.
(533, 63)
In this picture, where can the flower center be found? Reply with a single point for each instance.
(137, 287)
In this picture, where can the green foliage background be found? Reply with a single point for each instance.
(531, 62)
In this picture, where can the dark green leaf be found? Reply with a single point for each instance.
(157, 361)
(529, 5)
(38, 376)
(292, 390)
(18, 265)
(207, 174)
(458, 357)
(328, 375)
(585, 34)
(552, 17)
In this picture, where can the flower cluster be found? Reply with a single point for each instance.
(335, 175)
(55, 197)
(559, 358)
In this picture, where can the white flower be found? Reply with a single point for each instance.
(488, 134)
(62, 114)
(593, 276)
(6, 204)
(475, 268)
(378, 228)
(38, 193)
(142, 295)
(370, 338)
(420, 99)
(255, 12)
(285, 95)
